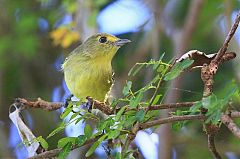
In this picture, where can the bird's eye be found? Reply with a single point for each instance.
(103, 39)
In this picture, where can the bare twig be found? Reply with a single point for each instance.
(232, 31)
(171, 105)
(170, 120)
(212, 148)
(230, 124)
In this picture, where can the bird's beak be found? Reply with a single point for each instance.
(121, 42)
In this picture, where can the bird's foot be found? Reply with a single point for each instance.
(68, 100)
(89, 103)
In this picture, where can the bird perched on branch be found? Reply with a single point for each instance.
(88, 70)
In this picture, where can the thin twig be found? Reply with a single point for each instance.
(212, 148)
(171, 105)
(170, 120)
(232, 31)
(230, 124)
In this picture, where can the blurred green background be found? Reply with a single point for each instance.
(36, 35)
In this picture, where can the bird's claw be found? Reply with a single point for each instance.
(89, 103)
(68, 99)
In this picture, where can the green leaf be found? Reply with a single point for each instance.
(58, 129)
(140, 115)
(161, 57)
(127, 88)
(88, 131)
(113, 134)
(95, 145)
(135, 101)
(161, 68)
(134, 70)
(120, 112)
(65, 151)
(129, 121)
(196, 107)
(80, 140)
(209, 102)
(156, 99)
(43, 142)
(177, 69)
(176, 126)
(63, 141)
(66, 112)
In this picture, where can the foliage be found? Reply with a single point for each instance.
(118, 126)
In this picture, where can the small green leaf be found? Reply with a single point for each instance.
(113, 134)
(127, 88)
(176, 126)
(80, 140)
(209, 102)
(66, 112)
(129, 121)
(156, 99)
(63, 141)
(95, 145)
(120, 112)
(92, 149)
(65, 151)
(140, 115)
(58, 129)
(138, 68)
(118, 155)
(88, 131)
(161, 68)
(177, 69)
(135, 101)
(161, 57)
(43, 142)
(196, 107)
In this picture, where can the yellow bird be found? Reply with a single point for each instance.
(88, 70)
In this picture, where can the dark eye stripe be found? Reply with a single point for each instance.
(102, 39)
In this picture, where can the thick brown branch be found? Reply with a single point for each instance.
(230, 124)
(50, 106)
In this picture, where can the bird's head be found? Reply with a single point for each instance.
(102, 45)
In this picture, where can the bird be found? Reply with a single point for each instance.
(88, 68)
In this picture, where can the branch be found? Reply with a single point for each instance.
(207, 73)
(234, 114)
(230, 124)
(232, 31)
(212, 148)
(50, 106)
(55, 152)
(170, 120)
(171, 105)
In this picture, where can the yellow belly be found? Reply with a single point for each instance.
(83, 83)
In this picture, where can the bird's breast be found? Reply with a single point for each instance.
(86, 79)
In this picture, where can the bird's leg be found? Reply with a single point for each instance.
(89, 103)
(68, 99)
